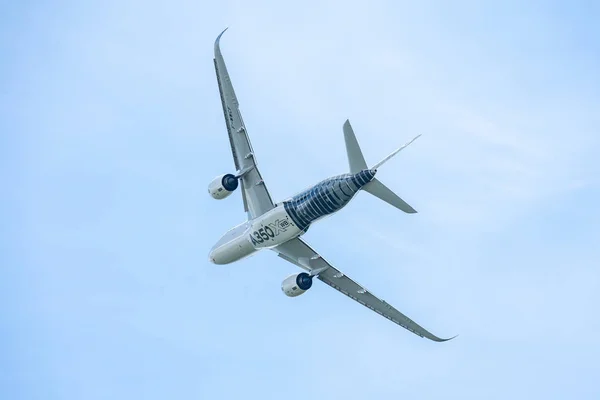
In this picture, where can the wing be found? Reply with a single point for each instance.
(256, 197)
(299, 253)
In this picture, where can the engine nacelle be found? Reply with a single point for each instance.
(222, 186)
(295, 285)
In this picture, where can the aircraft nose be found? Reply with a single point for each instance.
(215, 257)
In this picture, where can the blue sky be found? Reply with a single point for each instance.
(111, 128)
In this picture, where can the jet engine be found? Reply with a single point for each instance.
(222, 186)
(295, 285)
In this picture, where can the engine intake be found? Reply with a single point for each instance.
(295, 285)
(222, 186)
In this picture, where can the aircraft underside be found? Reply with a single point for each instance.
(278, 226)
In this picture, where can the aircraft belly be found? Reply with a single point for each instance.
(273, 228)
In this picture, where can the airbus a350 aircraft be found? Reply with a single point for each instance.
(278, 226)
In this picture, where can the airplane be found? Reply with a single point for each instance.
(279, 226)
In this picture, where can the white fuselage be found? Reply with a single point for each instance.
(289, 219)
(269, 230)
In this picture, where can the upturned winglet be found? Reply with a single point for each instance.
(443, 340)
(217, 49)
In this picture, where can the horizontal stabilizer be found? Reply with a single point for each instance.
(380, 163)
(356, 160)
(378, 189)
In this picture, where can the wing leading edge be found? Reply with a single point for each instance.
(301, 254)
(255, 195)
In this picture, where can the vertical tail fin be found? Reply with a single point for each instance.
(356, 160)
